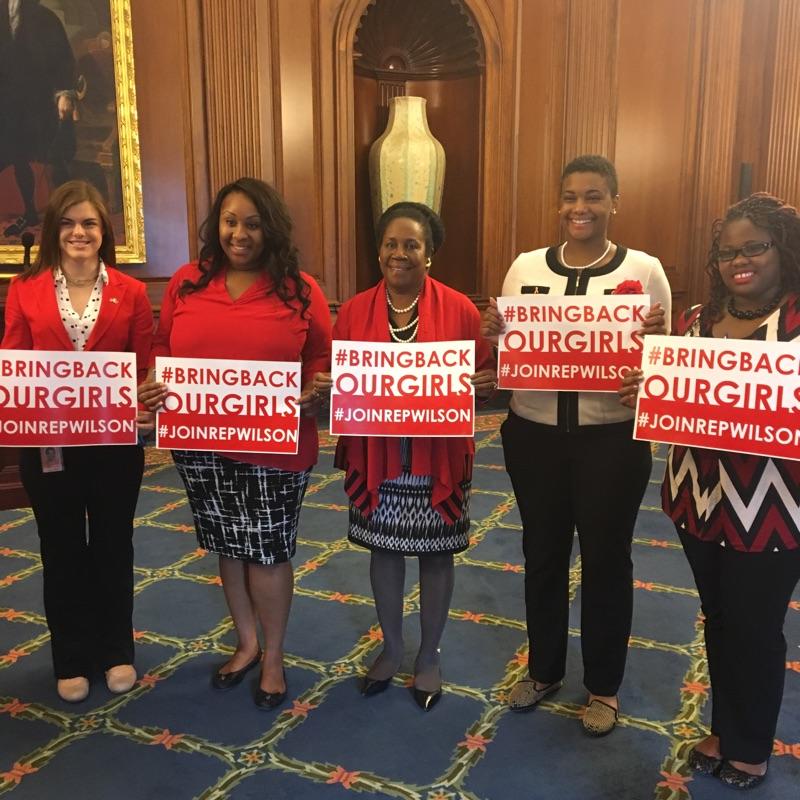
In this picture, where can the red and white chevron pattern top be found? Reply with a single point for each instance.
(747, 502)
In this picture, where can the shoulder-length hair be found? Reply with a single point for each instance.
(64, 197)
(279, 258)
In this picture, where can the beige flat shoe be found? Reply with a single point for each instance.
(524, 696)
(599, 718)
(121, 678)
(73, 690)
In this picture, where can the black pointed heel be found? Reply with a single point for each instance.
(372, 686)
(427, 700)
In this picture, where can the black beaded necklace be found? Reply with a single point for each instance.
(755, 313)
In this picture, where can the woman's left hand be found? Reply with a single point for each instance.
(629, 389)
(654, 322)
(145, 422)
(310, 400)
(485, 382)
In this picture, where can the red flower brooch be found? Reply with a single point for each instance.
(629, 287)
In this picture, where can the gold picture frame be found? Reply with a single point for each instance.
(112, 161)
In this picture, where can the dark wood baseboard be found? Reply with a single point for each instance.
(12, 495)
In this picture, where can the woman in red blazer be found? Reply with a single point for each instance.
(70, 299)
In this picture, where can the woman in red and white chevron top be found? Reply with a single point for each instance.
(738, 515)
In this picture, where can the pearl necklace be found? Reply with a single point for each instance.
(394, 331)
(403, 310)
(585, 266)
(755, 313)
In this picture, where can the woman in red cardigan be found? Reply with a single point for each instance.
(410, 497)
(72, 299)
(246, 298)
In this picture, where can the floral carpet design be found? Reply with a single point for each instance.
(173, 736)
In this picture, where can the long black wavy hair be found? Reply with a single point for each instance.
(279, 258)
(773, 215)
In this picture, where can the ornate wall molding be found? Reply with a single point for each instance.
(591, 78)
(417, 39)
(716, 130)
(783, 155)
(234, 123)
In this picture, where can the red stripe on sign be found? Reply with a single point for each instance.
(574, 372)
(741, 430)
(359, 415)
(240, 434)
(67, 427)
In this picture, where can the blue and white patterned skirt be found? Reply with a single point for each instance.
(404, 521)
(241, 510)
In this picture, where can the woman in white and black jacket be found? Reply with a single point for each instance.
(573, 462)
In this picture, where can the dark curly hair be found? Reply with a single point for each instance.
(279, 259)
(431, 223)
(597, 164)
(783, 224)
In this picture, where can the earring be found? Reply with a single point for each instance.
(613, 210)
(428, 263)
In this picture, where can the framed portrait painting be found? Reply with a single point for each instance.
(67, 111)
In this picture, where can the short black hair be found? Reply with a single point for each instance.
(593, 163)
(430, 221)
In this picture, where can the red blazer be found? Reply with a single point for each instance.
(124, 323)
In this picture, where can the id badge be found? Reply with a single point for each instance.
(52, 459)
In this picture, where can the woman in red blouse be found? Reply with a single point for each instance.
(246, 298)
(72, 299)
(737, 515)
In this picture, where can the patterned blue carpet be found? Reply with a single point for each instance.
(174, 737)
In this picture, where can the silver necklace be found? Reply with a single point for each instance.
(79, 281)
(585, 266)
(403, 310)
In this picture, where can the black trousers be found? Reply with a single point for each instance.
(744, 597)
(88, 576)
(593, 481)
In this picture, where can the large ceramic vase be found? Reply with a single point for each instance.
(406, 162)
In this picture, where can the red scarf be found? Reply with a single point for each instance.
(444, 315)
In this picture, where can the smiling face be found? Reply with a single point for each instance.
(240, 232)
(754, 281)
(403, 256)
(80, 234)
(585, 206)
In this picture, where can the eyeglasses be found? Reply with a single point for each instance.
(750, 250)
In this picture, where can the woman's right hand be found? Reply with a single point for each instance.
(322, 383)
(492, 324)
(629, 389)
(151, 393)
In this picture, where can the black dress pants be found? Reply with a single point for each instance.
(744, 597)
(592, 480)
(87, 574)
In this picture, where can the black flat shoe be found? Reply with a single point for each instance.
(700, 762)
(427, 700)
(738, 779)
(266, 701)
(227, 680)
(371, 686)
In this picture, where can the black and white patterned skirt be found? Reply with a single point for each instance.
(241, 510)
(405, 522)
